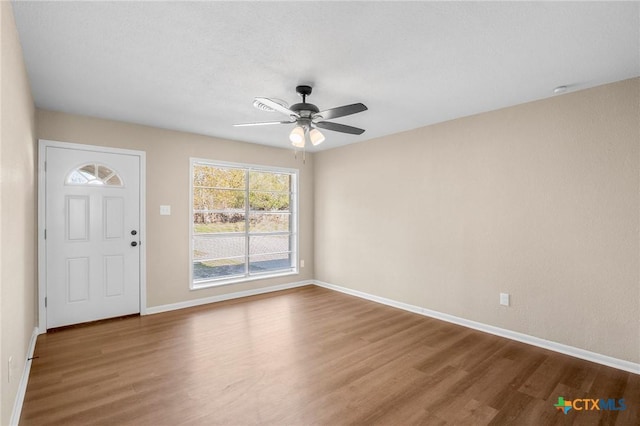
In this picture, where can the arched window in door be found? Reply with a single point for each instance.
(94, 174)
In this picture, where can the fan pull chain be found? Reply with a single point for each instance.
(304, 155)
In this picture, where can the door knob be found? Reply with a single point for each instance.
(134, 243)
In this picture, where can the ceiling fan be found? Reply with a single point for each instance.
(308, 118)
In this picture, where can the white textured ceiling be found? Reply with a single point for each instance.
(196, 66)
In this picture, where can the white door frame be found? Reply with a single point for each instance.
(42, 255)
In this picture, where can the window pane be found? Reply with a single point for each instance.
(218, 247)
(75, 177)
(218, 268)
(263, 244)
(265, 181)
(209, 223)
(223, 196)
(269, 201)
(104, 172)
(218, 177)
(269, 222)
(269, 262)
(113, 181)
(218, 199)
(89, 170)
(93, 174)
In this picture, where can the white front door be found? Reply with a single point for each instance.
(92, 222)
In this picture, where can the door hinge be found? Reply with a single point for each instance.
(45, 234)
(45, 166)
(45, 301)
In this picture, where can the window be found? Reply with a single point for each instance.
(244, 222)
(93, 174)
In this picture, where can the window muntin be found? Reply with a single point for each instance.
(93, 174)
(243, 222)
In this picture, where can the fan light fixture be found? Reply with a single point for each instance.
(297, 136)
(316, 137)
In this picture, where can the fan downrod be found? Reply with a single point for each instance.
(304, 109)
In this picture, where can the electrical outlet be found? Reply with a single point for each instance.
(504, 299)
(165, 210)
(10, 368)
(302, 263)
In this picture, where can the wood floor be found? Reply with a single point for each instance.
(308, 356)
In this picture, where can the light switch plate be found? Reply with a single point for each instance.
(165, 210)
(504, 299)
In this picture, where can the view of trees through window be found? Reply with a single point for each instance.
(242, 222)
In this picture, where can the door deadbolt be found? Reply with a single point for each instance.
(134, 232)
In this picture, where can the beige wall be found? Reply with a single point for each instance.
(168, 154)
(17, 212)
(538, 200)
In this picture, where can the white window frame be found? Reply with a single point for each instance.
(294, 234)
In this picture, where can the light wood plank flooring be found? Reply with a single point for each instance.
(308, 356)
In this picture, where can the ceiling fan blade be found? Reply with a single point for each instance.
(329, 114)
(276, 106)
(264, 123)
(339, 128)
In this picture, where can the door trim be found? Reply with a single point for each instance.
(43, 144)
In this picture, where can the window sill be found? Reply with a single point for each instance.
(219, 283)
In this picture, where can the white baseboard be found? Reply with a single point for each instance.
(620, 364)
(223, 297)
(24, 380)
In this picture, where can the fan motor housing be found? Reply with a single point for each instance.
(304, 109)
